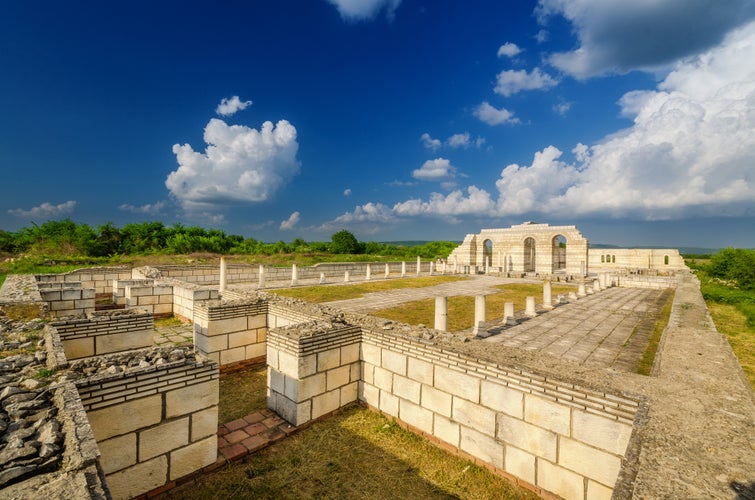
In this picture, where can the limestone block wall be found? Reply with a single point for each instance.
(119, 288)
(562, 438)
(313, 369)
(230, 332)
(19, 296)
(99, 278)
(636, 258)
(186, 296)
(155, 298)
(153, 426)
(105, 333)
(68, 301)
(644, 281)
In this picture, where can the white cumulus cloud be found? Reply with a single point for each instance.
(239, 164)
(510, 82)
(430, 143)
(45, 210)
(229, 106)
(347, 192)
(509, 49)
(360, 10)
(291, 222)
(439, 169)
(477, 201)
(459, 140)
(494, 116)
(617, 36)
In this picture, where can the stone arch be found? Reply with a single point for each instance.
(487, 252)
(529, 254)
(558, 250)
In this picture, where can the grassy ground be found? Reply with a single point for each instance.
(731, 322)
(648, 357)
(318, 294)
(461, 309)
(242, 393)
(357, 453)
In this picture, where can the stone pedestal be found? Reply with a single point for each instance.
(322, 278)
(368, 273)
(261, 282)
(387, 270)
(403, 269)
(530, 310)
(547, 299)
(346, 277)
(222, 274)
(508, 314)
(479, 313)
(294, 275)
(419, 265)
(581, 290)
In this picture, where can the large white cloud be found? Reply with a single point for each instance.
(439, 169)
(229, 106)
(690, 152)
(240, 164)
(358, 10)
(621, 36)
(45, 210)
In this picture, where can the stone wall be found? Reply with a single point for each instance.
(156, 298)
(99, 278)
(636, 258)
(67, 301)
(153, 425)
(558, 436)
(105, 333)
(231, 331)
(313, 369)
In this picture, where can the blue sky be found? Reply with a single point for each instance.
(394, 119)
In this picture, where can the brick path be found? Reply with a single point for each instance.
(240, 437)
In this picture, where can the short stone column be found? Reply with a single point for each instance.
(602, 280)
(294, 275)
(487, 264)
(419, 265)
(368, 273)
(581, 289)
(346, 277)
(572, 295)
(479, 314)
(403, 269)
(508, 314)
(387, 270)
(322, 278)
(432, 268)
(530, 310)
(455, 265)
(222, 275)
(261, 277)
(547, 297)
(441, 313)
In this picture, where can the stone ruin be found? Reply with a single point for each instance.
(92, 410)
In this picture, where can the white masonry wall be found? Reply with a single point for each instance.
(556, 436)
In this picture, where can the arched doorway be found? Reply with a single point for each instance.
(529, 255)
(559, 252)
(487, 253)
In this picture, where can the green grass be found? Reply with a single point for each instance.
(648, 357)
(322, 293)
(461, 308)
(357, 453)
(242, 393)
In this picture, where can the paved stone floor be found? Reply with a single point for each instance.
(175, 333)
(609, 329)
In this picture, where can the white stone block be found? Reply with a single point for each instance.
(192, 398)
(383, 379)
(520, 464)
(416, 416)
(419, 370)
(369, 394)
(528, 437)
(141, 478)
(338, 377)
(232, 355)
(560, 481)
(388, 403)
(328, 359)
(547, 414)
(193, 457)
(118, 453)
(204, 423)
(349, 393)
(163, 438)
(501, 398)
(473, 415)
(603, 433)
(457, 383)
(596, 491)
(481, 446)
(446, 430)
(587, 461)
(394, 362)
(350, 354)
(406, 388)
(325, 403)
(437, 401)
(370, 353)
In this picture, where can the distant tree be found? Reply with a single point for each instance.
(7, 241)
(734, 264)
(343, 242)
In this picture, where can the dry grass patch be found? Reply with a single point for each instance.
(731, 322)
(461, 308)
(329, 293)
(356, 454)
(648, 357)
(242, 393)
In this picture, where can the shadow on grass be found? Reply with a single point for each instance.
(355, 454)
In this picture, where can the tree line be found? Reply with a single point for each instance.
(66, 237)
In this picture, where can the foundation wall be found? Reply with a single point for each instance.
(636, 258)
(104, 334)
(313, 376)
(65, 301)
(230, 332)
(557, 436)
(101, 279)
(155, 298)
(640, 281)
(154, 426)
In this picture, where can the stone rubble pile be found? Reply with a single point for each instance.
(123, 362)
(31, 441)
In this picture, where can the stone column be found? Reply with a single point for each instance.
(508, 314)
(602, 279)
(387, 270)
(479, 313)
(441, 313)
(222, 274)
(346, 277)
(581, 289)
(487, 264)
(547, 298)
(432, 267)
(530, 311)
(261, 283)
(454, 265)
(500, 260)
(294, 275)
(582, 268)
(368, 273)
(403, 269)
(419, 265)
(322, 278)
(572, 296)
